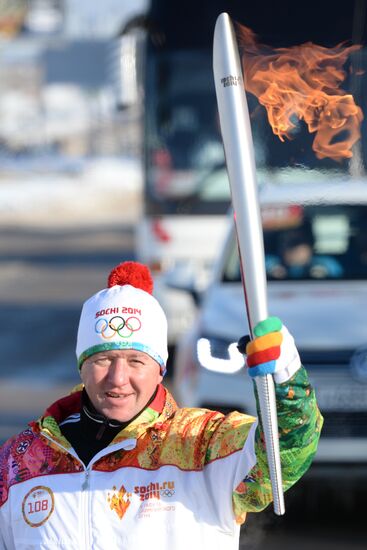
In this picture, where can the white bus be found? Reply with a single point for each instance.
(185, 191)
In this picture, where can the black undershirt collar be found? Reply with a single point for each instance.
(94, 431)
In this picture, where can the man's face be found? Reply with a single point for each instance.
(120, 383)
(298, 255)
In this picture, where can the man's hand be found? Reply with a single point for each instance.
(272, 351)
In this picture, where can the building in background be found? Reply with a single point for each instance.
(56, 86)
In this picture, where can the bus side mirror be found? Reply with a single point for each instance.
(127, 59)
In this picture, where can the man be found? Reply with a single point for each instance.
(297, 259)
(117, 465)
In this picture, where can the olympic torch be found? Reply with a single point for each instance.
(240, 161)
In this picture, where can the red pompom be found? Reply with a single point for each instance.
(131, 273)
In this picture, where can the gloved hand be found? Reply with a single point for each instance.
(272, 351)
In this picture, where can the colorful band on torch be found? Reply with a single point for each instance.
(263, 352)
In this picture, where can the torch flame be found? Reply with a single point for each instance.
(303, 82)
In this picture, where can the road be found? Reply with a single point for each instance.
(48, 267)
(45, 275)
(59, 239)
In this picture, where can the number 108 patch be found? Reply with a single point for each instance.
(38, 505)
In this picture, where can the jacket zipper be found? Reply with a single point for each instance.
(86, 510)
(85, 485)
(84, 494)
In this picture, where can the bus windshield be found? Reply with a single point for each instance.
(184, 160)
(183, 138)
(184, 152)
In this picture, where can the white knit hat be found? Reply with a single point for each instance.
(124, 316)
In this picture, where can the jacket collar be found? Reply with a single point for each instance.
(159, 410)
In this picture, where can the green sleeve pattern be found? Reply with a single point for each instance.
(299, 424)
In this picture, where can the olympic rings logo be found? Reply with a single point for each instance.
(167, 492)
(117, 326)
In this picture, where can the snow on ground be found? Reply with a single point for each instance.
(104, 189)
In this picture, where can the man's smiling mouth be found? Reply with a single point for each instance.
(115, 395)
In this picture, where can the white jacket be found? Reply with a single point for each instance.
(173, 479)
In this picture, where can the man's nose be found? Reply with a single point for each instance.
(118, 371)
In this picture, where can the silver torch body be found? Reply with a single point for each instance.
(240, 160)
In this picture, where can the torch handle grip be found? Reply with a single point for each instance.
(266, 393)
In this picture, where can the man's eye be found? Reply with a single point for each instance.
(103, 362)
